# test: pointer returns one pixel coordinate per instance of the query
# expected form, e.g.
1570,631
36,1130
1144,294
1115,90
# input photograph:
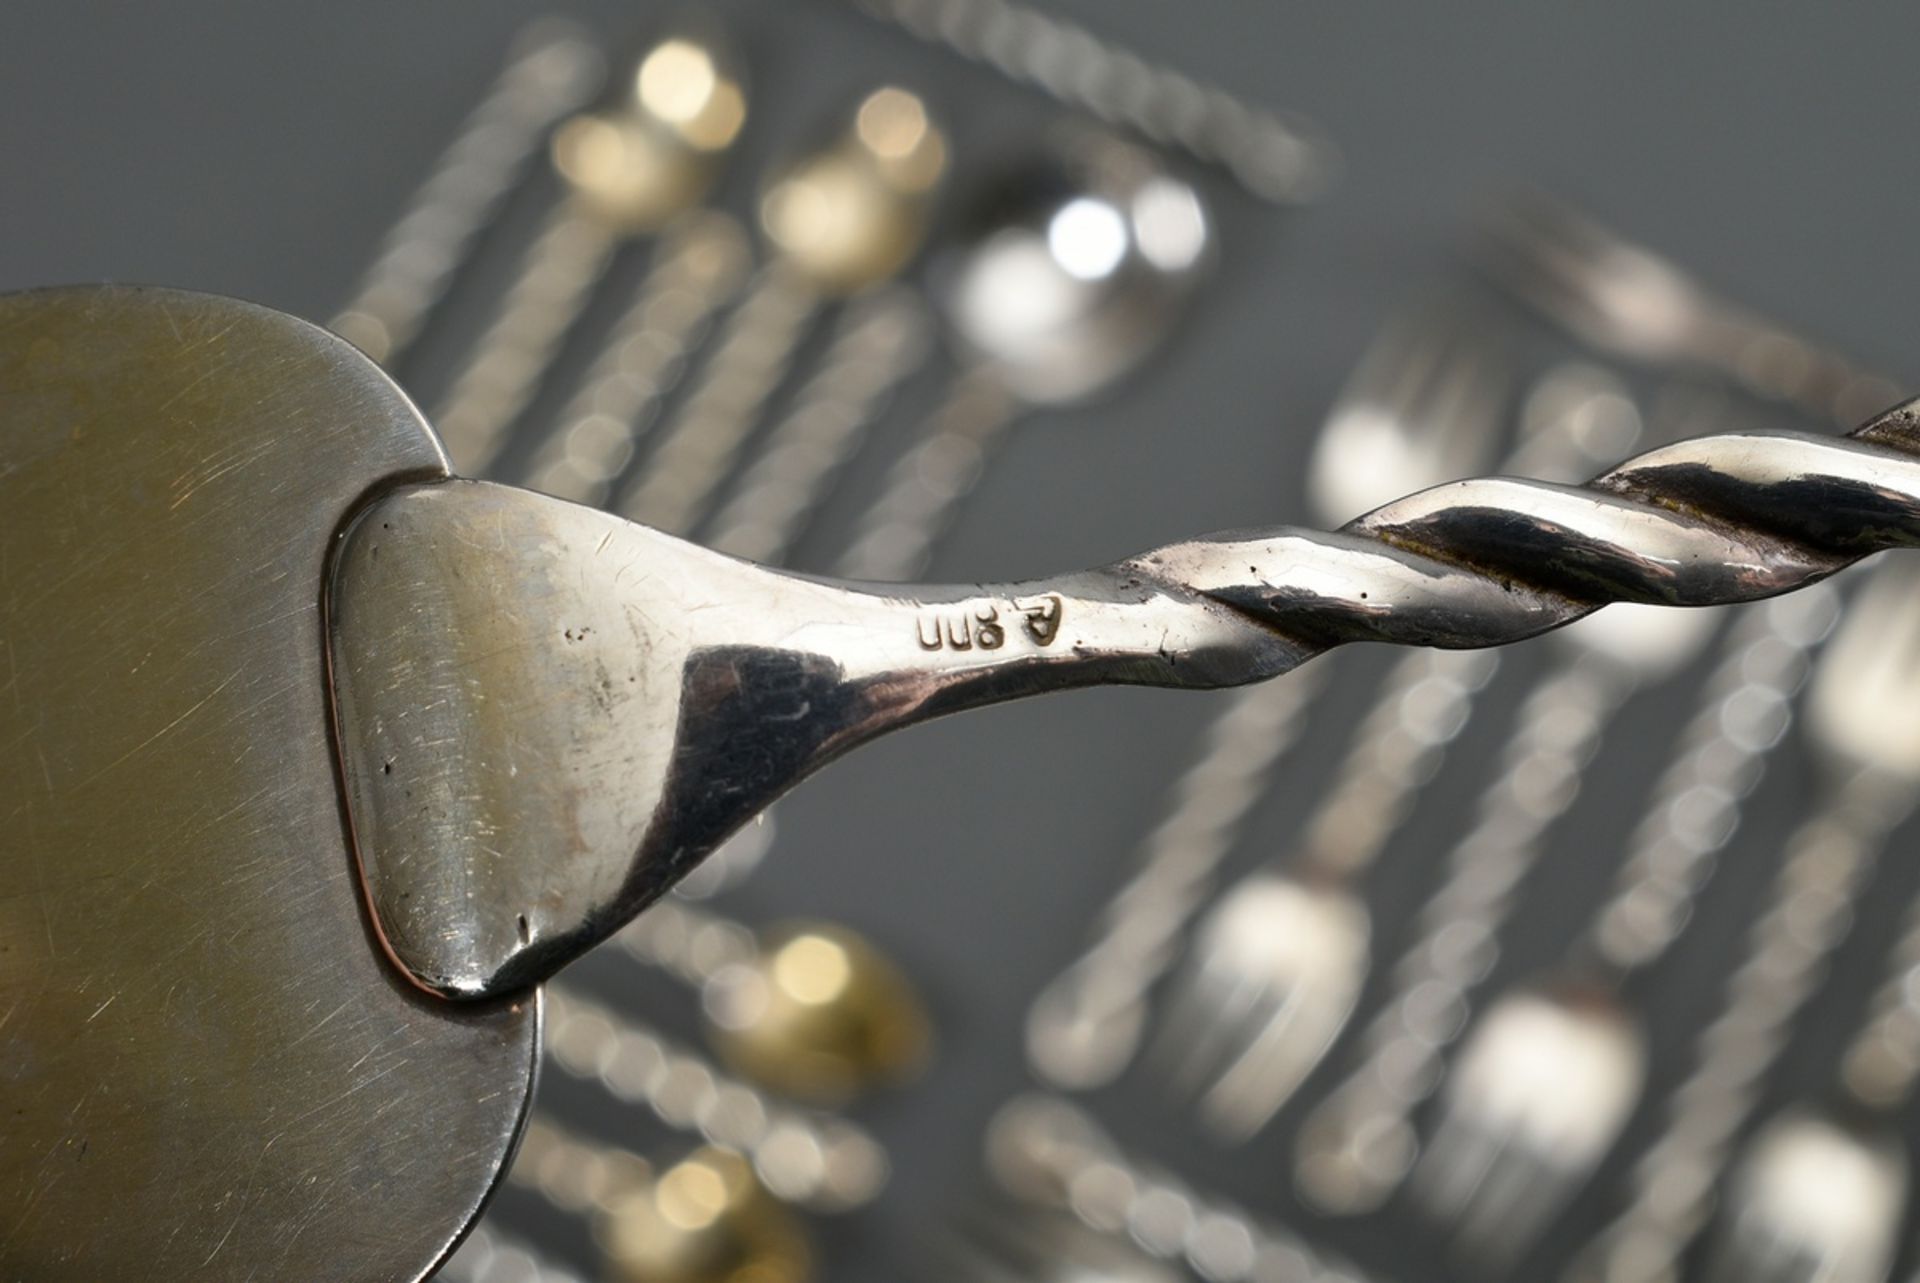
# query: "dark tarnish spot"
600,690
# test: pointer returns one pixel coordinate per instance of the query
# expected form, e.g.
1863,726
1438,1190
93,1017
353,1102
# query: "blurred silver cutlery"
1627,300
1040,1246
1052,1154
629,171
1863,719
1359,1142
1821,1192
702,262
1423,406
817,1160
1284,159
1079,265
1280,961
840,220
553,69
704,1219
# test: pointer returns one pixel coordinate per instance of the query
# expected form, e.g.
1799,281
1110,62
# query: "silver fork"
1280,961
1359,1142
1626,300
1550,1075
1861,714
1820,1193
1423,406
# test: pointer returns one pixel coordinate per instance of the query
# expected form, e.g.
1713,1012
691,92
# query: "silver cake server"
315,761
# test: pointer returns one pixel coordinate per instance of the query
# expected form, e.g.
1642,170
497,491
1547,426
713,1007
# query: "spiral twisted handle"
1717,519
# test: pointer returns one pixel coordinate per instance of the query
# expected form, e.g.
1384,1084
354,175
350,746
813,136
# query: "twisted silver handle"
791,672
1726,518
1284,159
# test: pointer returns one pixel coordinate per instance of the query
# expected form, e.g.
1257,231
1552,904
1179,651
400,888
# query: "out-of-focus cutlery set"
1487,1126
726,390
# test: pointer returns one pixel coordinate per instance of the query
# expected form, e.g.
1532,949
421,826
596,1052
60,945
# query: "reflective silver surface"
208,1070
546,716
549,714
1079,265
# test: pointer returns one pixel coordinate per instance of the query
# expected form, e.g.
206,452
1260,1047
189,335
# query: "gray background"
261,150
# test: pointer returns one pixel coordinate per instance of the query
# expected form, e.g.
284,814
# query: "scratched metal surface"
261,151
168,1049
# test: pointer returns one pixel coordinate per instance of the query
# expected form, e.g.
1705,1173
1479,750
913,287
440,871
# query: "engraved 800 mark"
981,626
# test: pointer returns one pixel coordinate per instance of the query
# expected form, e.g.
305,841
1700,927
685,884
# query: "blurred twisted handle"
840,220
1626,300
553,69
1673,1182
882,337
627,172
1853,1145
1284,159
1049,1153
701,266
817,1160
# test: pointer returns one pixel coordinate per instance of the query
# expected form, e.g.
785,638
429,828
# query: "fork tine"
1209,1012
1455,1164
1859,702
1512,1207
1252,1085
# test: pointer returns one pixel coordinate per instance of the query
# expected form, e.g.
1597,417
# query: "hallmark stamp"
982,629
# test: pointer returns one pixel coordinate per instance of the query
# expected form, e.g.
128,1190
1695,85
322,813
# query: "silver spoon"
840,220
1076,267
629,171
286,705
